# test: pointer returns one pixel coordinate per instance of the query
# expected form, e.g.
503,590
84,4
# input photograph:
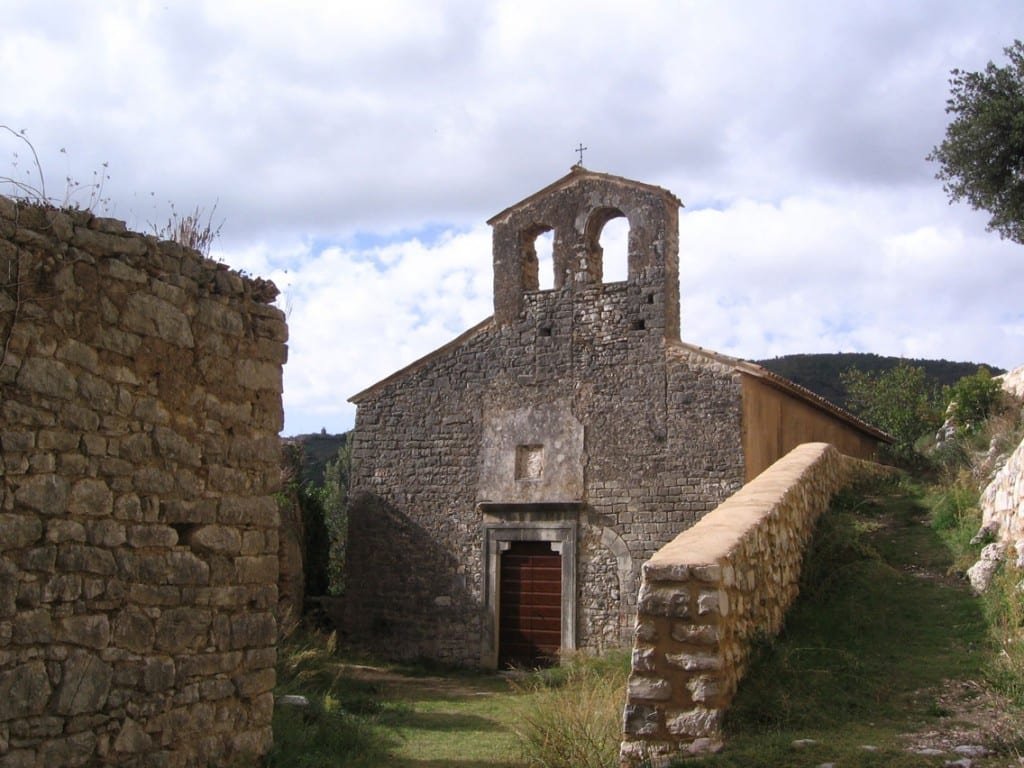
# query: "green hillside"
820,373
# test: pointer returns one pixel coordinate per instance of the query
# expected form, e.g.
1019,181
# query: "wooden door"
530,619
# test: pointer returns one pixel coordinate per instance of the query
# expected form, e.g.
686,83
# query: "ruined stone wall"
140,401
712,590
658,445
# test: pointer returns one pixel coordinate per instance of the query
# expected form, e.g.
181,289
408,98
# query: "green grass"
368,714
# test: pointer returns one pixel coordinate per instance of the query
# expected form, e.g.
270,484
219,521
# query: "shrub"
1004,609
973,398
571,716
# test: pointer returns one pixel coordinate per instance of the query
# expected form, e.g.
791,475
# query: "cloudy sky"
354,151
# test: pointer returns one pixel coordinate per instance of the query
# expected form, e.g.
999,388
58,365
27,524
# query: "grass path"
464,721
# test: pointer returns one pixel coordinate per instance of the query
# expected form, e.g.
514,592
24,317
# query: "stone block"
187,569
257,569
47,494
24,691
176,447
217,538
672,601
67,752
180,629
253,630
152,536
106,533
698,634
133,630
59,530
694,723
704,688
666,571
216,688
158,673
643,659
252,684
76,557
207,664
18,531
32,627
653,688
261,658
48,377
641,720
85,683
91,630
713,601
132,738
148,315
692,662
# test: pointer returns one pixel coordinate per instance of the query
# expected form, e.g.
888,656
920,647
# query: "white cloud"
795,132
355,316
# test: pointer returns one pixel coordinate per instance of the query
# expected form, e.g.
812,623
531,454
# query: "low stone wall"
140,400
707,594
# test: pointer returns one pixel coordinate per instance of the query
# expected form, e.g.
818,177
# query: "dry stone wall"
140,401
706,595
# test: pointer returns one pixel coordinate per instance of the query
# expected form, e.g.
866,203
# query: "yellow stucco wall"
775,422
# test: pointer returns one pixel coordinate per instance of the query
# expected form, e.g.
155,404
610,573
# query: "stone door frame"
503,524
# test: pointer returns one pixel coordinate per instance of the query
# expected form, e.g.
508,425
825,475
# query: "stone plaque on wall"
531,455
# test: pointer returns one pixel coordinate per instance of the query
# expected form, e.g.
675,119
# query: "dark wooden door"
530,620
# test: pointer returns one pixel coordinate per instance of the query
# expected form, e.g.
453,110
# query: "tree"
982,157
973,398
334,497
901,401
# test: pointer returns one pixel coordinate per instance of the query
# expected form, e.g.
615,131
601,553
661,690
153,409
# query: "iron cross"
581,149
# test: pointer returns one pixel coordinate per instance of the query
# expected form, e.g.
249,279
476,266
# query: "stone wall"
706,595
140,401
421,464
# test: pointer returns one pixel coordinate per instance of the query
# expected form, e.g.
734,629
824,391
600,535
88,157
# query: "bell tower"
576,208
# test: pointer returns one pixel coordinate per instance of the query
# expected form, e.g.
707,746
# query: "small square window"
529,462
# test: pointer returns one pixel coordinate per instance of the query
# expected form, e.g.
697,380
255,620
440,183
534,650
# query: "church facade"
507,487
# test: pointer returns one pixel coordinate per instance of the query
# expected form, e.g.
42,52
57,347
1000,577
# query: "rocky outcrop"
1013,381
1002,504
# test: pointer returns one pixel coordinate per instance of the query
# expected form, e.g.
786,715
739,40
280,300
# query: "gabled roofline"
790,387
576,173
415,365
737,364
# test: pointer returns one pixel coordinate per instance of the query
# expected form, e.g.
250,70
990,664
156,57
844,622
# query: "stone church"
507,487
